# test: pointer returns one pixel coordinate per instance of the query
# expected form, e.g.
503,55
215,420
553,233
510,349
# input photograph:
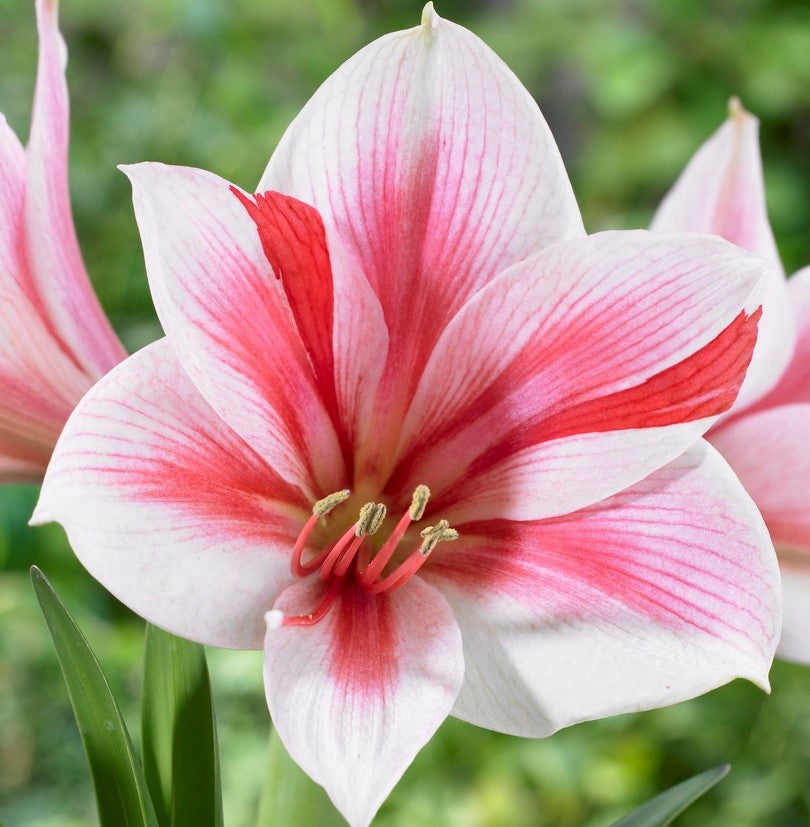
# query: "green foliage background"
630,90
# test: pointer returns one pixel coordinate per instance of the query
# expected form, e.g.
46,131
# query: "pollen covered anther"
324,506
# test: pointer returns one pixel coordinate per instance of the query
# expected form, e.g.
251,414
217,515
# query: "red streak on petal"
364,646
704,384
294,240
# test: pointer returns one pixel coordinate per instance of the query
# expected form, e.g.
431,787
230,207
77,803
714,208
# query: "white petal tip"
430,20
274,618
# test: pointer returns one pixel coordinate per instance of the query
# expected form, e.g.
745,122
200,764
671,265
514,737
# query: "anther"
419,501
324,506
432,540
368,518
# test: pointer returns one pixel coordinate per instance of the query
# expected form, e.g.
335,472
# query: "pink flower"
55,341
447,439
766,438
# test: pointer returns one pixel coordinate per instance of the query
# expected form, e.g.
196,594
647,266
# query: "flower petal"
52,248
770,453
40,382
661,593
355,696
795,642
232,320
435,170
794,384
168,508
722,191
580,371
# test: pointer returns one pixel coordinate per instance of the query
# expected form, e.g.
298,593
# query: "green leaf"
289,796
179,733
121,793
663,809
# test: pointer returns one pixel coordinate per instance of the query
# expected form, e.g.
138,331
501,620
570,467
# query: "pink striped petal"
795,642
770,453
40,382
794,384
247,338
356,696
661,593
722,191
435,170
57,269
168,508
579,372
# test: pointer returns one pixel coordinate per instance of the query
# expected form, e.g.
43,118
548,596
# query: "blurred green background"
630,90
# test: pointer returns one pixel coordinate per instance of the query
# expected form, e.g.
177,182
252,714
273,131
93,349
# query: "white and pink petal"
52,249
355,696
658,594
795,642
168,508
722,191
580,371
769,451
245,295
435,170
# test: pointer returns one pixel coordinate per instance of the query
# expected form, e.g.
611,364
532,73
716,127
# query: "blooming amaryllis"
766,436
55,340
422,438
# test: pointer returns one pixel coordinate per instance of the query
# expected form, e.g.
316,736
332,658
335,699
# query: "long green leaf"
663,809
179,733
289,797
121,793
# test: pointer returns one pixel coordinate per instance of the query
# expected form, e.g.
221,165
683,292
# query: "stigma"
352,558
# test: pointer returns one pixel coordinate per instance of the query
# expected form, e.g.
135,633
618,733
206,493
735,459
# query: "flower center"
352,556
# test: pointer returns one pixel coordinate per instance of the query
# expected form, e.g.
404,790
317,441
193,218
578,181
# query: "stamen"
371,526
368,574
419,501
432,536
320,509
366,522
324,506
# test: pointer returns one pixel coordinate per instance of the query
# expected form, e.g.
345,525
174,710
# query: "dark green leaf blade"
179,733
121,793
289,796
664,808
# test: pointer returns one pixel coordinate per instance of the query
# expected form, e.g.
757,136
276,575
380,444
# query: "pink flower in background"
420,437
55,341
766,437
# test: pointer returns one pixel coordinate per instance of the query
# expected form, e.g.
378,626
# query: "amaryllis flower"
415,433
766,437
55,340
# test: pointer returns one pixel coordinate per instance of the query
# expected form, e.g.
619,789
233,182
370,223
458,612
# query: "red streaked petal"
435,170
229,320
722,192
52,249
658,594
168,508
770,453
356,696
592,356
